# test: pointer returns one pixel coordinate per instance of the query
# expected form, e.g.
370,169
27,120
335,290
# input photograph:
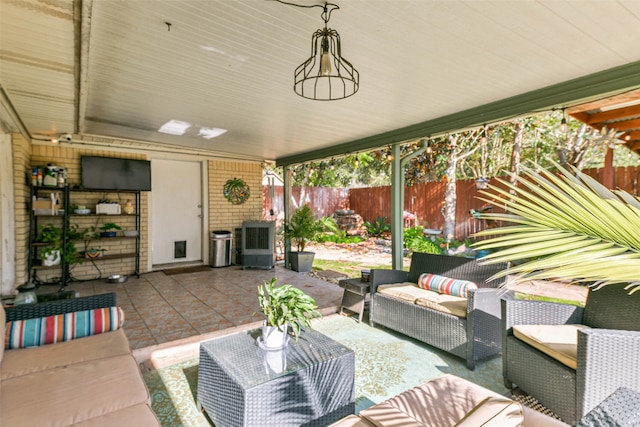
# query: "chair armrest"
526,312
485,299
50,308
607,360
383,277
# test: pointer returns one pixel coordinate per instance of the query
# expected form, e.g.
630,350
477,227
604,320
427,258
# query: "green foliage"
52,236
421,244
340,237
304,228
416,241
412,232
567,227
542,141
378,228
108,226
286,304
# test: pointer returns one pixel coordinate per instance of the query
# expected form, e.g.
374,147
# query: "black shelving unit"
34,261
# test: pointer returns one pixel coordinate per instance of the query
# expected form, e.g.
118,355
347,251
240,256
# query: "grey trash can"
220,248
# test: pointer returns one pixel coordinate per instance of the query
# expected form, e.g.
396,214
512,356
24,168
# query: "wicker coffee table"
310,383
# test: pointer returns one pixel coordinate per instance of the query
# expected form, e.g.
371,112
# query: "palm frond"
565,227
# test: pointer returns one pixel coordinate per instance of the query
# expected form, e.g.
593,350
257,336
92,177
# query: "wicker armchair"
472,338
606,356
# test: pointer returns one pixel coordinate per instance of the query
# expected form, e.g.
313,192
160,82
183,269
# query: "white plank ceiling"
114,68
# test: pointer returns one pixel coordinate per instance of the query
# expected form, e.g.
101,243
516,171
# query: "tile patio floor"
160,308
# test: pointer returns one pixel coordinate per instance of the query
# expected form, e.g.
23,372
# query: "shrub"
378,228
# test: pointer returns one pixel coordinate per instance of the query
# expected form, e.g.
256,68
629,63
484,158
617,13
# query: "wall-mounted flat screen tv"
110,173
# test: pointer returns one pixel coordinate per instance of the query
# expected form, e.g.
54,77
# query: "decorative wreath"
236,191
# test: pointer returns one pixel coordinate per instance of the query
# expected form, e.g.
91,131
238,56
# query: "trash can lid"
220,232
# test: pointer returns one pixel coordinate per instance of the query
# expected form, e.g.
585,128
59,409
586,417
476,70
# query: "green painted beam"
397,202
561,94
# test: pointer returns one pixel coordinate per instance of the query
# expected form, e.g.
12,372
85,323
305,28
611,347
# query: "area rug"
386,364
183,270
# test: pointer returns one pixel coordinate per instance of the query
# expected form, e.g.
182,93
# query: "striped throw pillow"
62,327
446,285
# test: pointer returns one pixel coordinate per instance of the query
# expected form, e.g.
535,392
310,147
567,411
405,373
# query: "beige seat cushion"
407,291
494,412
557,341
73,393
28,360
441,402
444,303
410,292
139,416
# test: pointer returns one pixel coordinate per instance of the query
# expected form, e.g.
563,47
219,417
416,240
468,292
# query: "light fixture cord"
327,8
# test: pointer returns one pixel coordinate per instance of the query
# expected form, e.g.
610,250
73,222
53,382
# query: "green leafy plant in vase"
54,248
51,236
285,307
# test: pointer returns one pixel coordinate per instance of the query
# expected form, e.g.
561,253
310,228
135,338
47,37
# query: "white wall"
7,218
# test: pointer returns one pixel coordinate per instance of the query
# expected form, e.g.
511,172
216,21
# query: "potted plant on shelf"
303,228
51,236
108,229
52,251
284,307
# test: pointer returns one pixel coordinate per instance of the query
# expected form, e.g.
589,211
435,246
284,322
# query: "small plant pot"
51,259
93,253
107,234
302,262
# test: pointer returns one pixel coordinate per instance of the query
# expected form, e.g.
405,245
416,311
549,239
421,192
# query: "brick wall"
70,158
222,214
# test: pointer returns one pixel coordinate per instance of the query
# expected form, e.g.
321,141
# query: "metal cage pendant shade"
326,75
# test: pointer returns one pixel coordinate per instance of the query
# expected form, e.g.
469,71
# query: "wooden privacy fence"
423,200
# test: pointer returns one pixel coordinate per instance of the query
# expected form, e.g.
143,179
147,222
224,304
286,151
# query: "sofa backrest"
611,307
455,268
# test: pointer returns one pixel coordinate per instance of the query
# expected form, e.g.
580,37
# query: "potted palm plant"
303,228
565,227
284,307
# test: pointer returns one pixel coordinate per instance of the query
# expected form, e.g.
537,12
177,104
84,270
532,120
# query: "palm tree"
564,227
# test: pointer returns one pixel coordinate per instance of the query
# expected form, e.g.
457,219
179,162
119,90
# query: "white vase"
275,362
52,258
274,338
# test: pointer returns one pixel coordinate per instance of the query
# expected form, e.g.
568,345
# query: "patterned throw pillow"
62,327
446,285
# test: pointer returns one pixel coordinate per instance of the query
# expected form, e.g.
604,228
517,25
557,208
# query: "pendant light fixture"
326,75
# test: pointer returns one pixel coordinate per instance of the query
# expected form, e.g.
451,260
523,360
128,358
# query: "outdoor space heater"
258,244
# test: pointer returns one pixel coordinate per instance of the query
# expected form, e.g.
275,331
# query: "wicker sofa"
473,336
449,401
91,381
576,368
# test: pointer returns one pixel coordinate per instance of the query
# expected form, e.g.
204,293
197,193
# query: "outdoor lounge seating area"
571,358
72,359
447,302
467,396
164,163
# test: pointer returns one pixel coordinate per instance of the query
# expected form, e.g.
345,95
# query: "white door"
176,211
